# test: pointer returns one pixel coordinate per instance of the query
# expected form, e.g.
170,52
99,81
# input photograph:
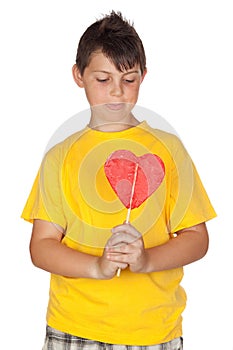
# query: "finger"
126,228
124,248
121,238
118,258
129,259
121,266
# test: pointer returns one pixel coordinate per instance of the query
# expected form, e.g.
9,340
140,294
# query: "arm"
48,253
127,246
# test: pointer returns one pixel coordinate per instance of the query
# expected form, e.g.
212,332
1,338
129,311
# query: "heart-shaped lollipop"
134,178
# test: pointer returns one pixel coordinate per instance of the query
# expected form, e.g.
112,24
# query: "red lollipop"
133,178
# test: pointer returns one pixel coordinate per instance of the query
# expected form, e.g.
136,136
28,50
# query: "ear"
77,76
143,75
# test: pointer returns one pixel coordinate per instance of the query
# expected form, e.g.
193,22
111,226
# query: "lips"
115,106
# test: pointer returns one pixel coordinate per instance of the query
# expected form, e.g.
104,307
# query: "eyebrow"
126,73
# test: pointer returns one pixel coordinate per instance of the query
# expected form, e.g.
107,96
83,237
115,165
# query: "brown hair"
116,38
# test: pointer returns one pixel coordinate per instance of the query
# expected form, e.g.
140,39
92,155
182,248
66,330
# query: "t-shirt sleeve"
189,202
45,200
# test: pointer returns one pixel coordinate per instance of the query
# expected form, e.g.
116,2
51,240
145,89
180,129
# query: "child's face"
104,84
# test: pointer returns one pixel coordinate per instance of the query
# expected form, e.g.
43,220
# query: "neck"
104,125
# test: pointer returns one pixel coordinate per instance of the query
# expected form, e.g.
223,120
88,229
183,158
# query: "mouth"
115,106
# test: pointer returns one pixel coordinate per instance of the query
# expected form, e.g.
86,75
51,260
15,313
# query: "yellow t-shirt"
71,190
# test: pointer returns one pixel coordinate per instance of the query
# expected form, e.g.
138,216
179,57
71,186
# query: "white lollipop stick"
132,193
130,205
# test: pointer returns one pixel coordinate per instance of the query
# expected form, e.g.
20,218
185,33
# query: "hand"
126,246
107,269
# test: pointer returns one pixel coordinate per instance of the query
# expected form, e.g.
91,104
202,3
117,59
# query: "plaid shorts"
56,340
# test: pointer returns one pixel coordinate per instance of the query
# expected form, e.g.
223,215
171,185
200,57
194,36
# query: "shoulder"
60,150
169,140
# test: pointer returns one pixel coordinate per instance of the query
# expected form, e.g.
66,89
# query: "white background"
189,83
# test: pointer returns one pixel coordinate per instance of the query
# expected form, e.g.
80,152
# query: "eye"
130,81
102,80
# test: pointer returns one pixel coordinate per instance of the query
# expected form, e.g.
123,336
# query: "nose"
116,89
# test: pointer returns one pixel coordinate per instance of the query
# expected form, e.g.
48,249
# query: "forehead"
100,62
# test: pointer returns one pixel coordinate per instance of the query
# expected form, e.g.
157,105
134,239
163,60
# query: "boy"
79,231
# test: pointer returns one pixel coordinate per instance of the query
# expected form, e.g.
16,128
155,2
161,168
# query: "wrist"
148,265
97,270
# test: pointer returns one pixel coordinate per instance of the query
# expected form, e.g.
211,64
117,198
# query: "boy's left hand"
126,246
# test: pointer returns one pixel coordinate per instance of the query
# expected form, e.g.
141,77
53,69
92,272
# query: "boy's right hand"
108,269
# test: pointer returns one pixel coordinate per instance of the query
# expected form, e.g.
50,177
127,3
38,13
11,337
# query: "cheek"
133,91
95,95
